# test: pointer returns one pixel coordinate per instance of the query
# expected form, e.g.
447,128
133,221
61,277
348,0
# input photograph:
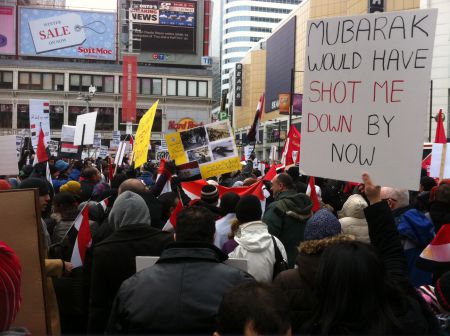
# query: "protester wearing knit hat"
61,166
10,292
255,243
72,187
322,230
210,194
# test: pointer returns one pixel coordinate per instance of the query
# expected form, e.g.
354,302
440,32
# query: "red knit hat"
10,279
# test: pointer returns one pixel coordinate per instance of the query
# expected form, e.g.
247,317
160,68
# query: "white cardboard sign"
39,117
440,161
89,120
8,163
365,96
68,133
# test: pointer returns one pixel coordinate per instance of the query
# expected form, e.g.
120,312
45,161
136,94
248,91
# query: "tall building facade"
245,22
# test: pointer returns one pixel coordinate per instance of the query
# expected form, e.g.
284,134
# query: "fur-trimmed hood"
317,246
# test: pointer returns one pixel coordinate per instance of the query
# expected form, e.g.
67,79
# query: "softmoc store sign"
365,96
68,34
183,124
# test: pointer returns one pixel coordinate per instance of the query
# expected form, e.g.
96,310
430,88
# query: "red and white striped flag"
41,151
104,204
171,223
436,256
84,239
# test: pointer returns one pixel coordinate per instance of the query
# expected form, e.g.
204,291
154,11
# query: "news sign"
67,34
164,26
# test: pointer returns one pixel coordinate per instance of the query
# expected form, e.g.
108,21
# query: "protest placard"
88,120
8,153
440,161
39,118
162,154
53,147
68,133
365,97
143,133
212,146
103,153
97,140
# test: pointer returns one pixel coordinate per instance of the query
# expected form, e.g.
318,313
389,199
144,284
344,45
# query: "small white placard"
8,162
89,120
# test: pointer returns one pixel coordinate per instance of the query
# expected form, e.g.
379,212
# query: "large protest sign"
86,121
365,96
8,153
143,133
212,146
21,231
39,118
53,147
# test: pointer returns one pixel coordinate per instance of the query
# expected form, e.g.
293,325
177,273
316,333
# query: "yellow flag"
143,134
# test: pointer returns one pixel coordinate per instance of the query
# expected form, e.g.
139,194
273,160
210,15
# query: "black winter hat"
33,182
248,209
210,194
428,183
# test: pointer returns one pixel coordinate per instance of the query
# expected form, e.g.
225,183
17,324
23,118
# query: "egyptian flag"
110,172
253,134
291,150
194,190
41,150
436,256
131,141
162,166
272,172
171,223
104,204
84,239
313,194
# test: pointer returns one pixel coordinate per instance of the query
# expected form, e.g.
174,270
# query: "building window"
191,88
74,111
245,29
83,82
23,116
41,81
146,86
242,39
157,122
105,118
6,80
202,89
236,49
56,116
6,116
252,18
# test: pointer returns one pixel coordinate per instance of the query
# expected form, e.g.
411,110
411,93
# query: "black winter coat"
114,260
180,294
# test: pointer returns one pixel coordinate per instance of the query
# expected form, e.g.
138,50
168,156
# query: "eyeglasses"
389,199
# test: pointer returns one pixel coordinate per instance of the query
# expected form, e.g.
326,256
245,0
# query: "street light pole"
291,96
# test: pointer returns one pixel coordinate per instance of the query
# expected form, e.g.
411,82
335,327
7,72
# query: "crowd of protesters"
351,267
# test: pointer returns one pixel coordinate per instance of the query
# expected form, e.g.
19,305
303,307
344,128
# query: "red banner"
129,82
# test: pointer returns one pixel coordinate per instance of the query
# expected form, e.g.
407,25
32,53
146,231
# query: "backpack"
280,264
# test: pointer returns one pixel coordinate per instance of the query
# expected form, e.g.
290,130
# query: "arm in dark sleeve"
384,238
115,323
159,185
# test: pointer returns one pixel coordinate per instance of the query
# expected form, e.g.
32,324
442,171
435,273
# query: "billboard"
163,26
280,59
7,33
67,34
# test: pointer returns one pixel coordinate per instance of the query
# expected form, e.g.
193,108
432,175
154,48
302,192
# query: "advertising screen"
164,26
66,33
280,59
7,34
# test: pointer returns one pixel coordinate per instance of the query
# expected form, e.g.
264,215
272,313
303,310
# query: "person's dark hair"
117,180
286,180
427,183
354,295
167,201
293,172
78,165
264,306
64,199
228,203
89,173
195,224
443,193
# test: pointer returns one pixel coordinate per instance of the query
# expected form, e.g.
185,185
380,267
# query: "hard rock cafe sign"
183,124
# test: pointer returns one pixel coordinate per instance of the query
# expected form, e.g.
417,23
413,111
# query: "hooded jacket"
114,259
256,245
352,218
286,219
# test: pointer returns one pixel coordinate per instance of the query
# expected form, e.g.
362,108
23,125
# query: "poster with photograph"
212,146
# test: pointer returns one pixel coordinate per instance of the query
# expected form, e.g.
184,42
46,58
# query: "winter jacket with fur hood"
256,245
298,284
352,218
